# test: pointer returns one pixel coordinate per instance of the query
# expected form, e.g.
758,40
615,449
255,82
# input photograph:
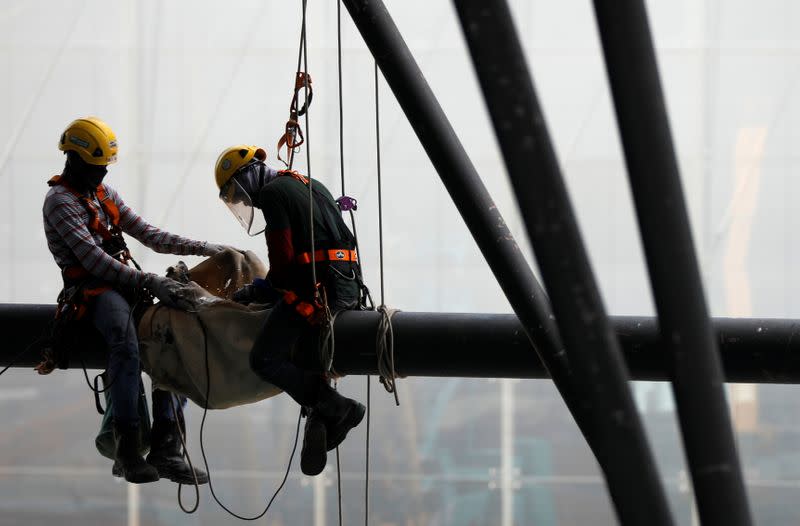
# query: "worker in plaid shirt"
83,221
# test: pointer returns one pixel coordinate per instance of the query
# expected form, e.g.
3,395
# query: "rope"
202,446
380,190
384,343
304,52
13,361
366,463
341,96
329,348
188,460
327,342
384,348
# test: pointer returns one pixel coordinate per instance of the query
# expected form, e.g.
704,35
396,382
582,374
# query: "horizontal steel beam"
484,345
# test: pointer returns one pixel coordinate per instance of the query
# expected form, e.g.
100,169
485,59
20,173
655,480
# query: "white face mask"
241,204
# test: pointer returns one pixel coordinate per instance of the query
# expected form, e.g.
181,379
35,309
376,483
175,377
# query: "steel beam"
674,273
601,378
480,214
485,345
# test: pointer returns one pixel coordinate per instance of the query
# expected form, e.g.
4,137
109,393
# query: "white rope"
384,349
327,341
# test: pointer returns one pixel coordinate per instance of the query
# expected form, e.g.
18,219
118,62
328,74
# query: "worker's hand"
170,292
260,291
210,249
245,295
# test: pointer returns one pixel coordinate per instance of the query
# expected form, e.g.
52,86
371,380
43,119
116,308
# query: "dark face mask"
83,176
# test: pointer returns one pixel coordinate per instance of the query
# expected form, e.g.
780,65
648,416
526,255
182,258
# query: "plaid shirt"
72,244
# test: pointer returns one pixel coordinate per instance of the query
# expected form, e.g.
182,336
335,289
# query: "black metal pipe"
601,377
484,345
468,192
672,263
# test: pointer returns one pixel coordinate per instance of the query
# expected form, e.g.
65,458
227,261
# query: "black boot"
128,462
166,454
314,456
341,414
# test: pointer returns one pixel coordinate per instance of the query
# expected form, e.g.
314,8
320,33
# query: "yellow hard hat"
92,138
234,158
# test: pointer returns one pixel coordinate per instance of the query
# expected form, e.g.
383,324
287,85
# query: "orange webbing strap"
76,306
307,310
87,295
109,207
334,254
294,173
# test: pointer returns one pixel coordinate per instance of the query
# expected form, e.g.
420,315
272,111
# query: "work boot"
341,414
166,454
314,456
128,462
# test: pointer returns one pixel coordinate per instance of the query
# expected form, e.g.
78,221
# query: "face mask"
95,175
83,176
240,195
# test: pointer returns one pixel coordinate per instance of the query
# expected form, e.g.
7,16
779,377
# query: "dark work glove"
169,291
259,291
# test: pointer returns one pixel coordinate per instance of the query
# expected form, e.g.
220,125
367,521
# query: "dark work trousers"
111,315
270,357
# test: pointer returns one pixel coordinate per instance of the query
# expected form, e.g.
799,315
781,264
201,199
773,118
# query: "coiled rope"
384,349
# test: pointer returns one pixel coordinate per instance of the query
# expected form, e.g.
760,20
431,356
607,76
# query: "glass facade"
180,81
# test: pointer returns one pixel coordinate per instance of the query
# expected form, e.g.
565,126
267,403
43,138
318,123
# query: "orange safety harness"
74,300
312,311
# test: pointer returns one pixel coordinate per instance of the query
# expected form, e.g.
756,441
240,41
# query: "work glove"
210,249
170,292
259,291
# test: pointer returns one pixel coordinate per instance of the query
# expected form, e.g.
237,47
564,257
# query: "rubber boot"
314,454
128,462
341,414
166,454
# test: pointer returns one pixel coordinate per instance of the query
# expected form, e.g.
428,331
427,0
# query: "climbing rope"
188,458
327,342
203,450
292,129
302,80
384,343
328,318
41,339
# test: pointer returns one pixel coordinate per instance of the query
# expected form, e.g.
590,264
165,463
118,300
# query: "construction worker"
83,222
245,183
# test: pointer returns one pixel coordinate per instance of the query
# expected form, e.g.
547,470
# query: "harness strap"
333,254
77,305
309,311
113,242
295,174
108,205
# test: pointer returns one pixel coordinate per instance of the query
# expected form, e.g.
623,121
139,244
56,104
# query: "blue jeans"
111,315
